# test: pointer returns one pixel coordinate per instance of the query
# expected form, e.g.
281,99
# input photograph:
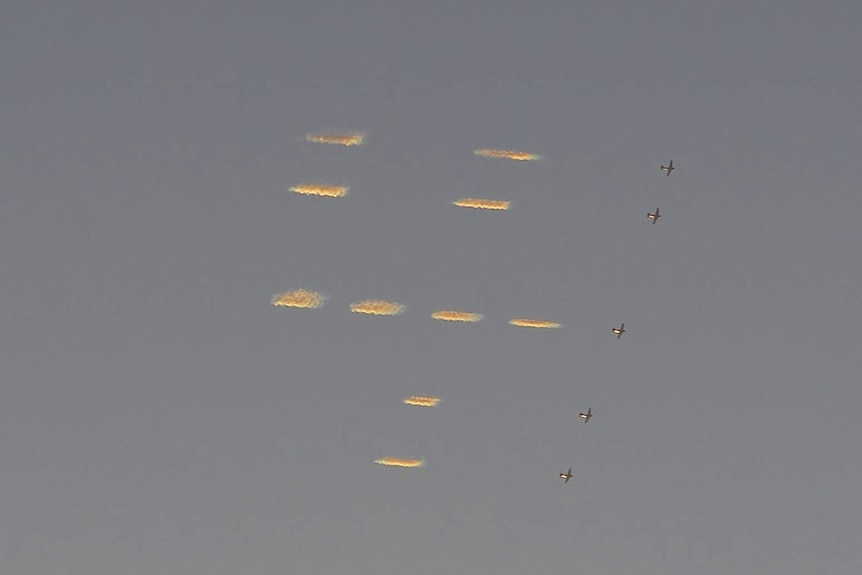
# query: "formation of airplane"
668,168
619,331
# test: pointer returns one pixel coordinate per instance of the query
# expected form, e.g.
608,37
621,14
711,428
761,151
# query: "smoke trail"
537,323
321,190
482,204
399,462
454,315
422,401
507,154
377,307
343,139
299,298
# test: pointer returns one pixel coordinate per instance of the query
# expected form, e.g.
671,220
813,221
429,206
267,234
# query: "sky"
158,415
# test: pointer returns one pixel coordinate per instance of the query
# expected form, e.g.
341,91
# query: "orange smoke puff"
538,323
454,315
422,401
507,154
344,139
377,307
321,190
400,462
299,298
482,204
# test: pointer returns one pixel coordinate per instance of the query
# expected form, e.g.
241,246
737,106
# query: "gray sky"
157,415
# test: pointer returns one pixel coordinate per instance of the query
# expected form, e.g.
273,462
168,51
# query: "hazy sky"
158,415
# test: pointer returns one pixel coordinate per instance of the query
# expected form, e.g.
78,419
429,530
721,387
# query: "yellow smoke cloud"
482,204
400,462
321,190
299,298
538,323
454,315
507,154
422,401
377,307
343,139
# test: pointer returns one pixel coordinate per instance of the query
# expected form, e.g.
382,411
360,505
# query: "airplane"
586,416
620,330
654,217
668,168
567,475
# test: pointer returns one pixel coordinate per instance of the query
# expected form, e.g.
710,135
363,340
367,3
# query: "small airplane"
586,416
654,216
620,330
668,168
567,475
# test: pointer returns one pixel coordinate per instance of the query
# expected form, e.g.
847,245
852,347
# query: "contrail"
539,323
422,401
377,307
507,154
343,139
321,190
482,204
454,315
299,298
400,462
